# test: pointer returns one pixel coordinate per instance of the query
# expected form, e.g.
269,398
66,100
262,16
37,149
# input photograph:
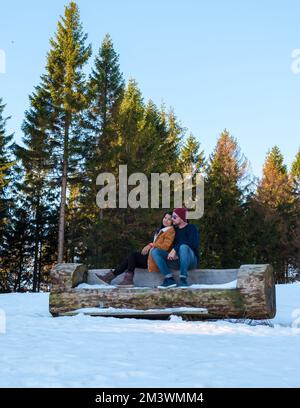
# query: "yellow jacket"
164,240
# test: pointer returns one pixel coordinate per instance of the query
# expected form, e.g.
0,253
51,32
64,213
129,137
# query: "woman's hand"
172,255
146,249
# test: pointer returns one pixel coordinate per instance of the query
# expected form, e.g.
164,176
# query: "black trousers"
134,260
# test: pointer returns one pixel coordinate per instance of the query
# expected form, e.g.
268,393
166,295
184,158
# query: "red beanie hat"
181,212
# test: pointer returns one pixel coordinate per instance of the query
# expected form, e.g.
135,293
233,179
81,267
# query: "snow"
228,285
38,350
115,310
96,286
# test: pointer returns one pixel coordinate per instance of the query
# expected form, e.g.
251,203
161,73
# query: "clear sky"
220,64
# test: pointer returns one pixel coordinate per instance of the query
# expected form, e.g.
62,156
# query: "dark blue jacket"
188,235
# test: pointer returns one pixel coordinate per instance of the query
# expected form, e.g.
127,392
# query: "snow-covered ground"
38,350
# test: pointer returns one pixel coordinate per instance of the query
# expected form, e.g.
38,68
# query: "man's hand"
172,255
146,249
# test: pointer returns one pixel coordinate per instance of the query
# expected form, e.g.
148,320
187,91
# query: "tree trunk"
40,266
64,180
17,285
36,247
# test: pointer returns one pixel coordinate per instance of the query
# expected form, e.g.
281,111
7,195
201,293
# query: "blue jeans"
187,260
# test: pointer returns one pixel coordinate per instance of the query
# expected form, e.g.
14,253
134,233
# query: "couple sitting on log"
175,246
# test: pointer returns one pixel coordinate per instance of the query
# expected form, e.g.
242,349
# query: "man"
184,254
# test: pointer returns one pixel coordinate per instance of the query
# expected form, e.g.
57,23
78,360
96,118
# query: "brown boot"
127,281
107,277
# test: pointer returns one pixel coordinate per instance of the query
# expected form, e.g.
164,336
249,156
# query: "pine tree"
295,239
6,164
6,170
66,84
16,265
125,151
148,139
130,116
192,160
173,143
106,87
105,92
275,186
222,226
36,186
276,203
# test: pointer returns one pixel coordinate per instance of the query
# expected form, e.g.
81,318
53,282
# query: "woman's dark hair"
162,225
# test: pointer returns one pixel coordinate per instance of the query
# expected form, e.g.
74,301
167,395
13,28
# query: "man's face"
176,220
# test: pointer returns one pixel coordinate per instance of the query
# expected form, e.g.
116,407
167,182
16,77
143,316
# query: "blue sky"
220,64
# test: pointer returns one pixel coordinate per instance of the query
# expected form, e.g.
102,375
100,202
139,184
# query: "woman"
163,239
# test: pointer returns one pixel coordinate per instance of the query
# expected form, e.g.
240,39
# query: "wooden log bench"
244,293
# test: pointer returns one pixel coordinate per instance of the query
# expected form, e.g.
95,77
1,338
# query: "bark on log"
254,297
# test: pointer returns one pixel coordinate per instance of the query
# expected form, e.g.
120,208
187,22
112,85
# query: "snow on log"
253,296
